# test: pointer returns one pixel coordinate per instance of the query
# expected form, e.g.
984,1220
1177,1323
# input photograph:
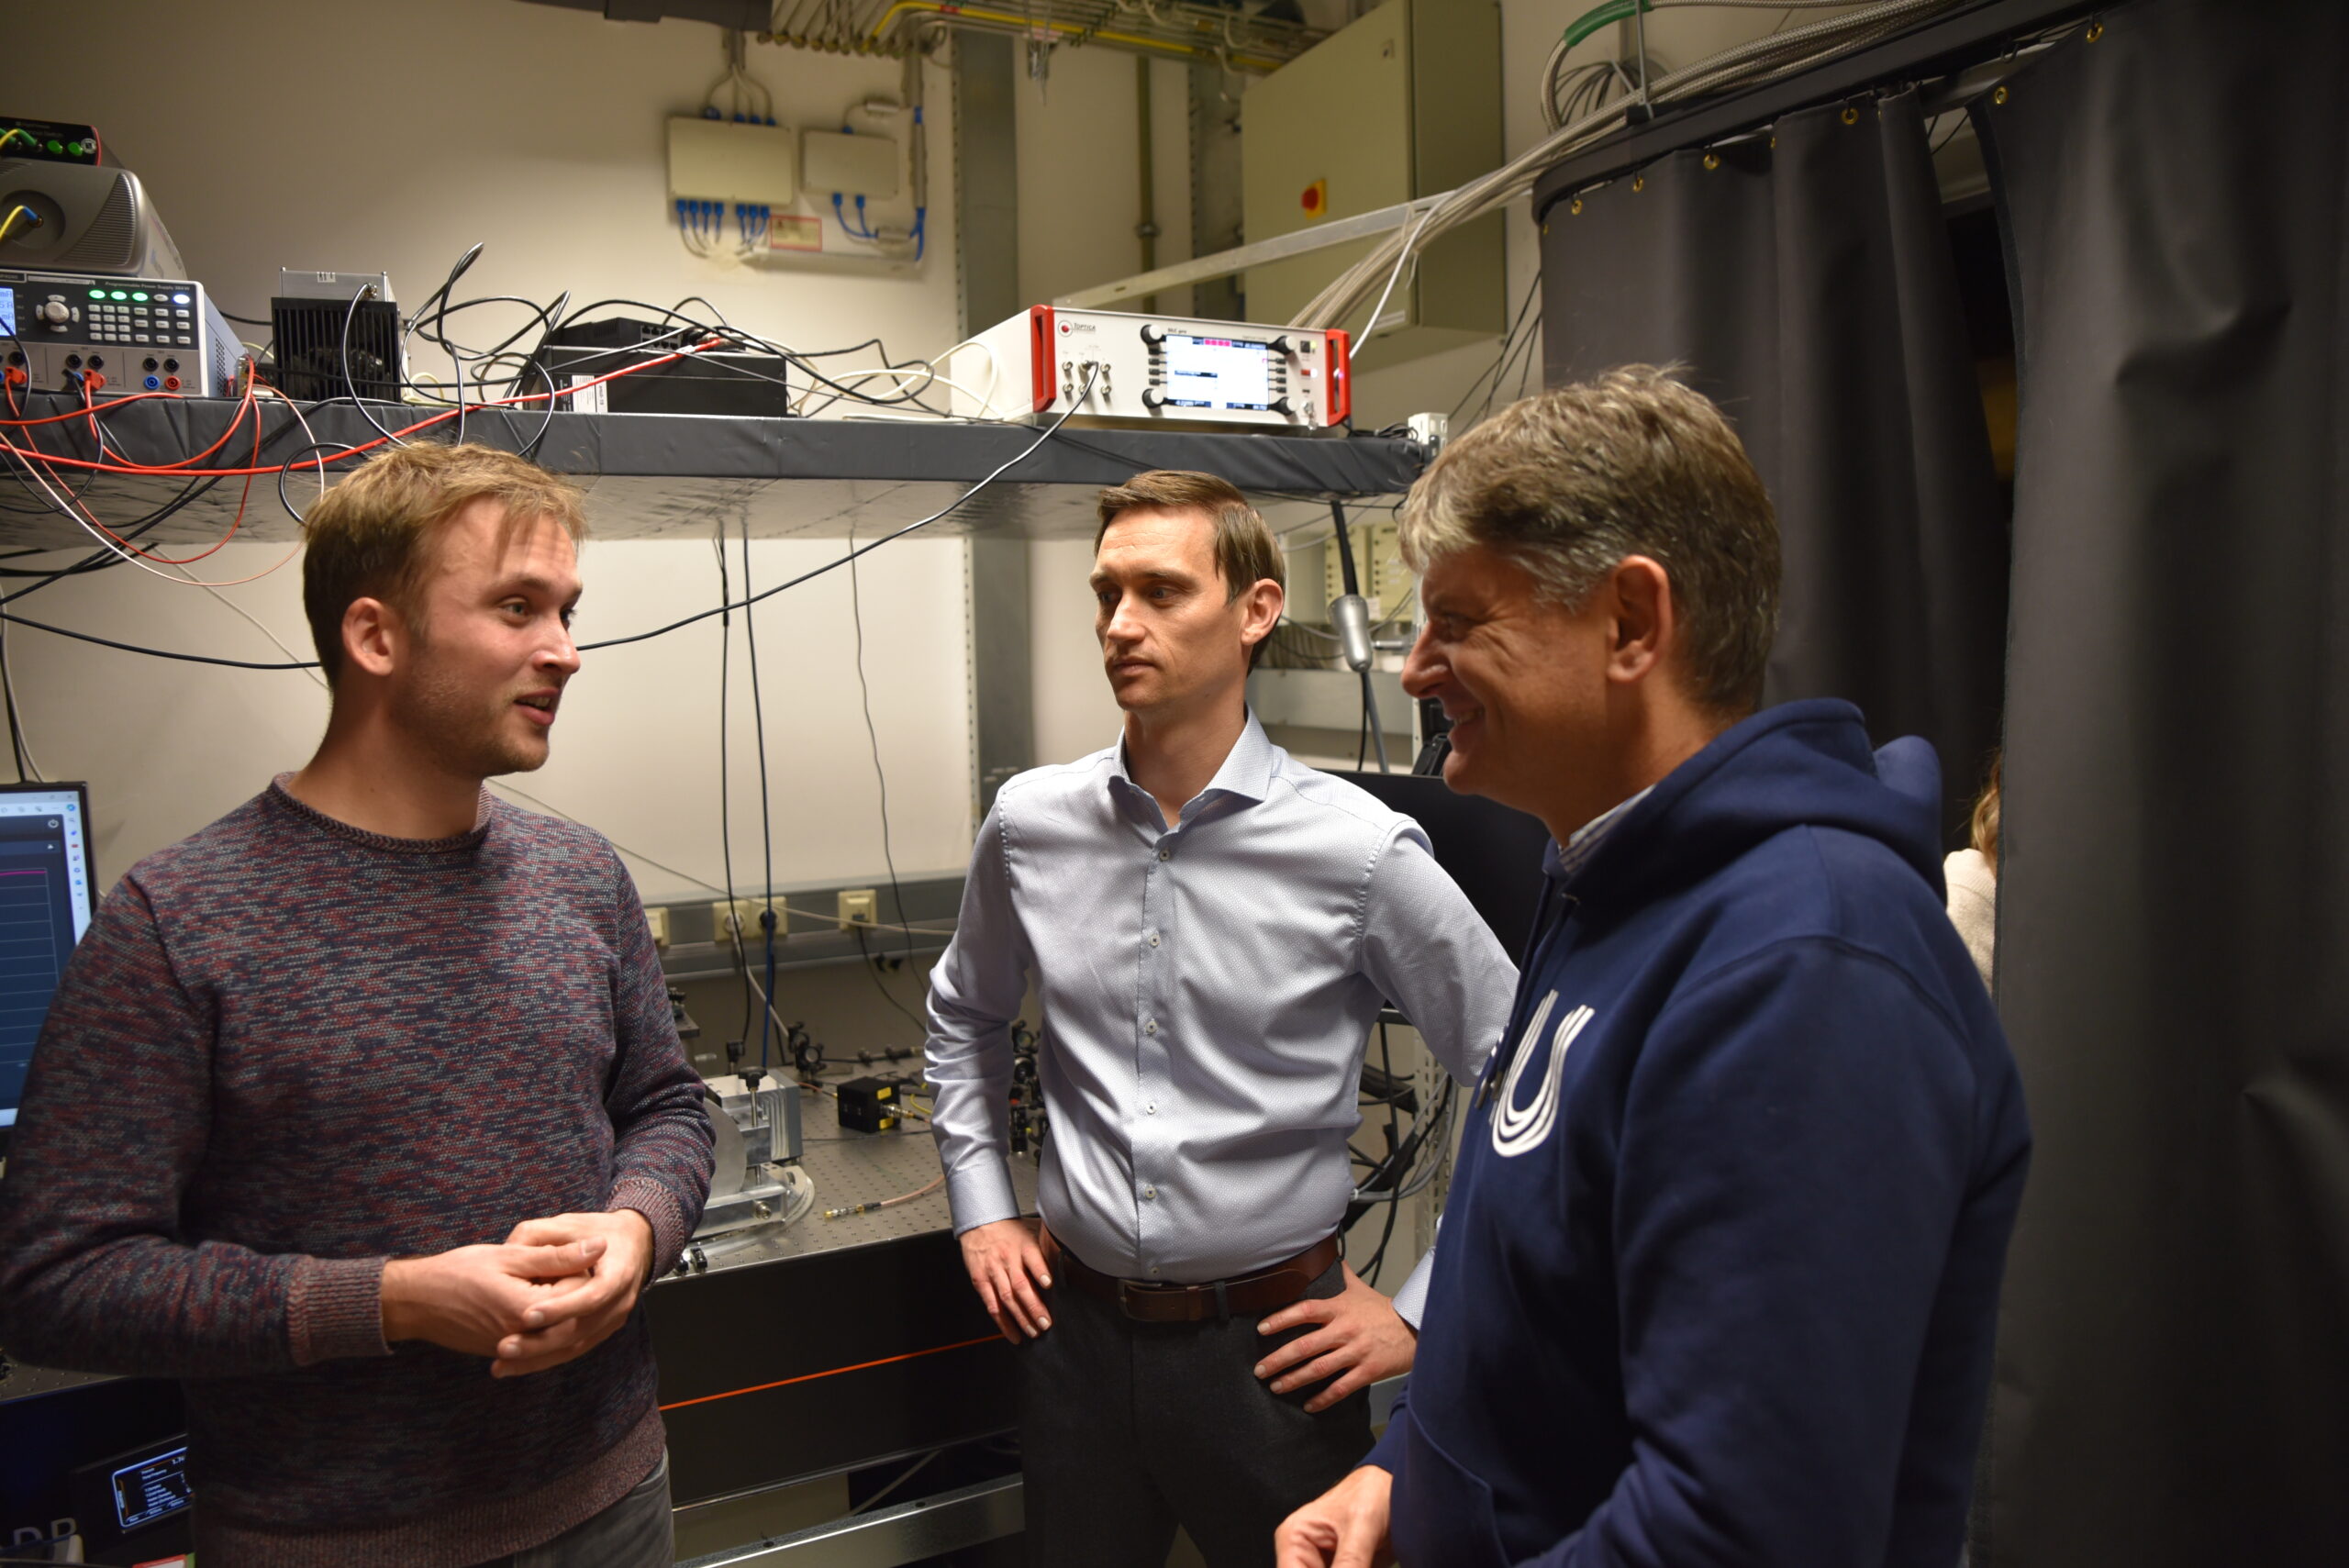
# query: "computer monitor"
1492,851
46,892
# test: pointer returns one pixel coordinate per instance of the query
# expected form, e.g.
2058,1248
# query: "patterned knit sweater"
289,1049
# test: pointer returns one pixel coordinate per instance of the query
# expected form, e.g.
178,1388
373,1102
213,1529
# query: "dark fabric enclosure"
2174,1379
1804,277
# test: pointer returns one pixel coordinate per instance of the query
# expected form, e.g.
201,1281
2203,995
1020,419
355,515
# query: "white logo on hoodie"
1516,1130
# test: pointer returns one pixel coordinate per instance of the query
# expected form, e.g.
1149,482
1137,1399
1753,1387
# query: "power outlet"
658,918
742,916
859,906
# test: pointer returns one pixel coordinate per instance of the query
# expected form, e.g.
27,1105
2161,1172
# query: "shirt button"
1151,1108
1153,1268
1153,938
1149,1027
1165,854
1150,1194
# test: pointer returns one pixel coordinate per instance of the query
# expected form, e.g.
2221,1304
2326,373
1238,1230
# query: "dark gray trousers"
1129,1429
634,1532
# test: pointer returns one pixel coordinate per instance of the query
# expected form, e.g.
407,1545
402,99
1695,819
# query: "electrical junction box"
836,162
1111,366
730,161
870,1105
1378,567
1403,104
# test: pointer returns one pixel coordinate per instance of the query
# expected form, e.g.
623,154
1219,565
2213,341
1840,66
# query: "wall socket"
859,906
742,915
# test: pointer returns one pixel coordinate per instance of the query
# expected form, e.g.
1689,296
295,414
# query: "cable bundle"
1746,65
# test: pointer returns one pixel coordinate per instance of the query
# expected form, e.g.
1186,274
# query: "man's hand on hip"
1359,1340
1006,1269
474,1298
587,1312
1344,1528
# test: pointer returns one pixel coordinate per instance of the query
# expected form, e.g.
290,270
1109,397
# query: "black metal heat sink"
310,348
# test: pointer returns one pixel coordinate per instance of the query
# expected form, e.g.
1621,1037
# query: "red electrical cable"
246,404
177,470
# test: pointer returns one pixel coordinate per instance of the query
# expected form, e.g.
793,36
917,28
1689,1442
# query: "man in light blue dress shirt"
1211,929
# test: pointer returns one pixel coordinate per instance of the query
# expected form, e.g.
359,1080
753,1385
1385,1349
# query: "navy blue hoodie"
1721,1257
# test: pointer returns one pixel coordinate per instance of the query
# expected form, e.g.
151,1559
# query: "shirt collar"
1247,770
1564,860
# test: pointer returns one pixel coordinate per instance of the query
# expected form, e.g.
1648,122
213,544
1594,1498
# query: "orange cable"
811,1376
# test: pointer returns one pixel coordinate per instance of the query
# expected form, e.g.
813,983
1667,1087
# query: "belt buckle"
1132,1291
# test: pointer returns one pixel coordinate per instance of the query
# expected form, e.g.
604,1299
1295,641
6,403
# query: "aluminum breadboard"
849,1168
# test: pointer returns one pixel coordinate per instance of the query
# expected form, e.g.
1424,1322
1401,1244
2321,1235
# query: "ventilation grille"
310,349
111,242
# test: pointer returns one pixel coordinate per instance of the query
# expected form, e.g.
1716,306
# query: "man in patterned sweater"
362,1111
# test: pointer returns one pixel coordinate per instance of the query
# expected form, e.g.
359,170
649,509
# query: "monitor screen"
150,1488
7,310
1492,851
1218,372
45,902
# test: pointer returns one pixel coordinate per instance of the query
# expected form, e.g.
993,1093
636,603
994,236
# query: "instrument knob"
1154,336
1153,398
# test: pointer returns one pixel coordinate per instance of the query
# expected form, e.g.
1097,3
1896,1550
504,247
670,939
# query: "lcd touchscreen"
153,1488
1216,373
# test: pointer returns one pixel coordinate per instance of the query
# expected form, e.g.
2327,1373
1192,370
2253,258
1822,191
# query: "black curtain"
2173,908
1803,276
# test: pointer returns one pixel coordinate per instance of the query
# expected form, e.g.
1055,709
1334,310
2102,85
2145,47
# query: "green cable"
1614,11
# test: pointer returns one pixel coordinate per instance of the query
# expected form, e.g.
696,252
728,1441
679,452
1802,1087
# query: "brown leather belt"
1266,1291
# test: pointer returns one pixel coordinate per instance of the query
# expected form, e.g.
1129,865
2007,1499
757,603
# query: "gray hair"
1567,483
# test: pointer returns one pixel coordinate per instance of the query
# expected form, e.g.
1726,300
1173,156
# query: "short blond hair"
369,536
1567,483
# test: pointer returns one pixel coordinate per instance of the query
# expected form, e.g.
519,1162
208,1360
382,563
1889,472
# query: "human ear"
1644,624
1264,602
373,635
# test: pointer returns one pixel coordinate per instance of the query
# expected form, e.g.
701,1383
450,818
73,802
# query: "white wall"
1080,172
167,748
333,134
1075,714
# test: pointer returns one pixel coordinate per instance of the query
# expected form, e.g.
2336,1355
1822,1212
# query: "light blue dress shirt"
1208,990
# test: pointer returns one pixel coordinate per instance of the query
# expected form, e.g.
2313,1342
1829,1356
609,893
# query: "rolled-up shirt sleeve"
1411,1300
975,991
1427,949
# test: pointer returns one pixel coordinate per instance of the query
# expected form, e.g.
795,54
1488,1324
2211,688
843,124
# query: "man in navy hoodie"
1721,1257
